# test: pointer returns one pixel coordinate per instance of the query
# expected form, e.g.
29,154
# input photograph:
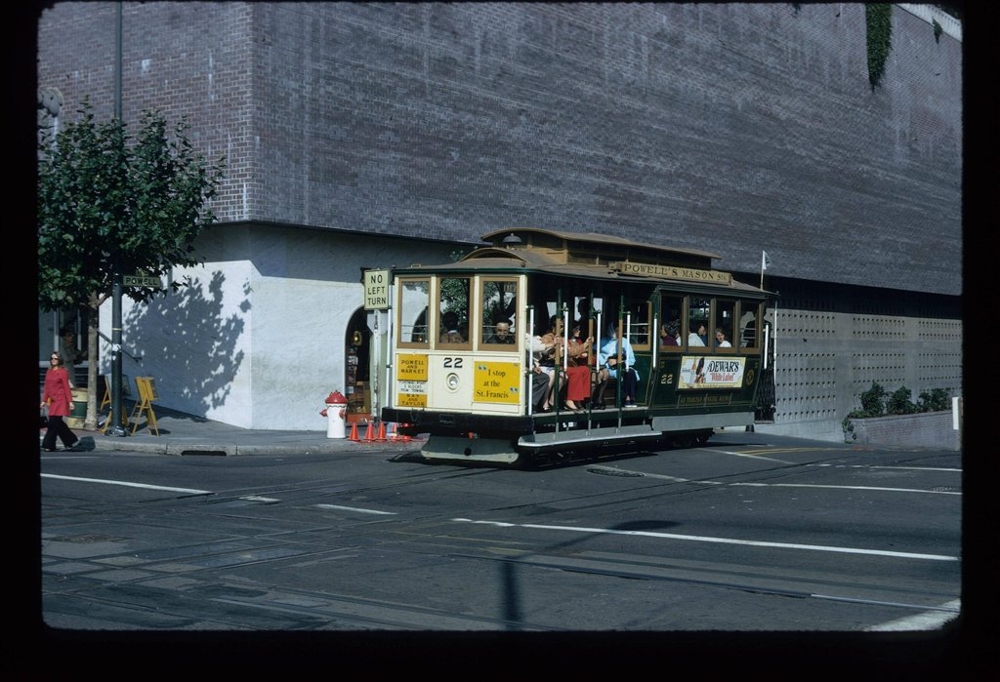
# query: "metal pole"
117,415
376,398
529,339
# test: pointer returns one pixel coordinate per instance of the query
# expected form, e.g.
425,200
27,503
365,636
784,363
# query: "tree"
108,202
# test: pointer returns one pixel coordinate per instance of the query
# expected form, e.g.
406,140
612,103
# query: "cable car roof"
572,241
588,256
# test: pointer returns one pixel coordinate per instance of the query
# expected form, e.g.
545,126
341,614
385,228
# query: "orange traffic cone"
370,433
354,432
381,432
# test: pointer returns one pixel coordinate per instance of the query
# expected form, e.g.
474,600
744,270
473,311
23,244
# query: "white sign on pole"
376,289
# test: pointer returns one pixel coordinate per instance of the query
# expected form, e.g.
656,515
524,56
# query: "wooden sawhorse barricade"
147,394
144,405
106,402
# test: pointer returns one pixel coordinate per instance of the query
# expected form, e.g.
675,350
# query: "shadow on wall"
184,336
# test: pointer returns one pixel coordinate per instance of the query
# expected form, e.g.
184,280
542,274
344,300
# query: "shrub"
899,402
938,400
877,402
848,428
873,401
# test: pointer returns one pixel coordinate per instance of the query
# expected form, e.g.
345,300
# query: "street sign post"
376,289
140,281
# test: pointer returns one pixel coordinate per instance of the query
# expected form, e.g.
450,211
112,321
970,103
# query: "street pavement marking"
717,540
130,485
929,620
355,509
751,456
844,487
883,466
617,470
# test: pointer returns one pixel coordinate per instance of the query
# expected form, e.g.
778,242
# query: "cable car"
671,349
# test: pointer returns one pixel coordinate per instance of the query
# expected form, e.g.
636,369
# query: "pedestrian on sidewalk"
57,396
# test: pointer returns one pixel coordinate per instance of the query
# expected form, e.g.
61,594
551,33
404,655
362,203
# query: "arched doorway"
357,380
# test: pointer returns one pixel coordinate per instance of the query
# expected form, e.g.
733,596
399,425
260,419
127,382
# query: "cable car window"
588,312
548,301
499,319
749,312
414,298
721,335
698,319
453,311
636,317
583,316
671,312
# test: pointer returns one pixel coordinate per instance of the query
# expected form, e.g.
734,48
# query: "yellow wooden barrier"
106,401
147,394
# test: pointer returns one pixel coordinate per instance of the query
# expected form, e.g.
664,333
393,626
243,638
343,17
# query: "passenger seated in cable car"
543,372
699,338
451,333
720,339
668,334
501,332
578,370
607,360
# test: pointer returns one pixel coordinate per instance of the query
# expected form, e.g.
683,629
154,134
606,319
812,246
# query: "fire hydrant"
336,415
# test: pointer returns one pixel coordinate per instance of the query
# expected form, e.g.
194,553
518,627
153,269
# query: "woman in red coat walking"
58,397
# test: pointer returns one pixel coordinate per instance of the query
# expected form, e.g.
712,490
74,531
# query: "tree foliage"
103,196
111,203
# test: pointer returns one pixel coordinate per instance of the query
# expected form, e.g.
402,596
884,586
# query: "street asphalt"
179,434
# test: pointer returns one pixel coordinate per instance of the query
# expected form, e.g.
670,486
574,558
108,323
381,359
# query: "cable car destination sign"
671,272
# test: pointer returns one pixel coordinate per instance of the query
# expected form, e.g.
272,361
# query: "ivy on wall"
878,23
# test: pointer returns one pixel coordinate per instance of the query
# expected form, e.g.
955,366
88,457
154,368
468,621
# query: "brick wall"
929,429
727,127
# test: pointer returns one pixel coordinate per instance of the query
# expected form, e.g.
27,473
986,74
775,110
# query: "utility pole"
116,429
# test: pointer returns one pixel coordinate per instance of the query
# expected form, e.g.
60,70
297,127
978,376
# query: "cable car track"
768,581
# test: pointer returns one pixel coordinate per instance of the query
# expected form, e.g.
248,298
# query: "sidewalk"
184,434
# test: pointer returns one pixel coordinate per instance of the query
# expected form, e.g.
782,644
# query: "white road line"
677,479
724,541
845,487
929,620
882,466
248,498
355,509
747,455
777,485
127,484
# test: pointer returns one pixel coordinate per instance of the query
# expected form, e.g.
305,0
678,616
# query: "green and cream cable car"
695,334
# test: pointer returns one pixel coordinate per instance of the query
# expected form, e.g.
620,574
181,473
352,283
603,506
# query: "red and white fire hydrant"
336,415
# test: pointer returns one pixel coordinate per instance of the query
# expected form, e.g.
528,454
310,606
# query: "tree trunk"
93,326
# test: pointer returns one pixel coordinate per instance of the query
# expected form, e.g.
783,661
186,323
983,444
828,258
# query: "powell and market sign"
671,272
